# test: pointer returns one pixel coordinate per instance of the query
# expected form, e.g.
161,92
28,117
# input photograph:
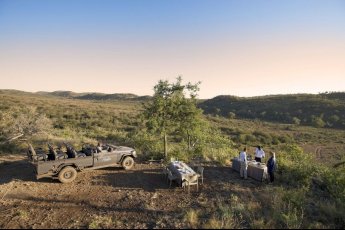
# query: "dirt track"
110,198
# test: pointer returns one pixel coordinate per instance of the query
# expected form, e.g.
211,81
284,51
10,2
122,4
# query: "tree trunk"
165,145
189,145
12,138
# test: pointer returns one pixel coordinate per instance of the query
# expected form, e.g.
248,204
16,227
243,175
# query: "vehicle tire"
128,163
67,174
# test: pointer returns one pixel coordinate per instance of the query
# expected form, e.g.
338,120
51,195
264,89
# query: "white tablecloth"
257,171
181,170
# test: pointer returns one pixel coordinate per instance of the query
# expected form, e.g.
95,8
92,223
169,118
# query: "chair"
200,171
193,180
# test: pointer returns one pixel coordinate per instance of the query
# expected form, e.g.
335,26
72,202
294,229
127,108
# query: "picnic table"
255,170
181,170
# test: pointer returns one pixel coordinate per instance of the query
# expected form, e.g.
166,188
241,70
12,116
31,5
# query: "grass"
23,214
100,222
191,217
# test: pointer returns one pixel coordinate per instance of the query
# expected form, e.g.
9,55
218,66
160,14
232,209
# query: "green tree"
231,115
296,121
317,121
334,119
172,112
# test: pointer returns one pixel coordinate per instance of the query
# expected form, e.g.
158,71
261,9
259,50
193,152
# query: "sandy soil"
110,198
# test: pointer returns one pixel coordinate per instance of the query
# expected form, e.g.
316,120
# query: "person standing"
259,154
98,148
244,163
271,166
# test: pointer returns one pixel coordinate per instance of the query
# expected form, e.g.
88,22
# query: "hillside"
94,96
322,110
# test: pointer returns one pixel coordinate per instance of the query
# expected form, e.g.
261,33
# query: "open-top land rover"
65,165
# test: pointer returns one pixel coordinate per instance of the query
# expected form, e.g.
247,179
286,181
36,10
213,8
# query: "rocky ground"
112,197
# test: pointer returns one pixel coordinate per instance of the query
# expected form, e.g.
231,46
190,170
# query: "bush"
296,168
335,182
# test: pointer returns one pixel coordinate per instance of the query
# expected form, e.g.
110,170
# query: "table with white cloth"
181,170
255,170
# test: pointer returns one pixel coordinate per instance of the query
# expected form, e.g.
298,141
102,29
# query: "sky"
242,48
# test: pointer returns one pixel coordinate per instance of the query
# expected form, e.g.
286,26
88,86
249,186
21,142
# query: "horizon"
150,95
244,48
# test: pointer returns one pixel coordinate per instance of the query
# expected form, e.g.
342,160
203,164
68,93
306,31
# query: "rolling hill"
94,95
321,110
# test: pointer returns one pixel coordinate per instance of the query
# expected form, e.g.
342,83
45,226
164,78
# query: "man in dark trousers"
271,166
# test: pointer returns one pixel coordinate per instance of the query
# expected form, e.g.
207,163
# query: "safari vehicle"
64,166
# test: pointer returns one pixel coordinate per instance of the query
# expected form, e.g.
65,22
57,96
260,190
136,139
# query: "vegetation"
171,113
303,196
73,120
308,193
23,121
322,110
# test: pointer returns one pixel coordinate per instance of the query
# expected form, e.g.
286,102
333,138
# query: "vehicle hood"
123,148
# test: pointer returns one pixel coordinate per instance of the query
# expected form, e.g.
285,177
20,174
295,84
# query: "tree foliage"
23,121
173,113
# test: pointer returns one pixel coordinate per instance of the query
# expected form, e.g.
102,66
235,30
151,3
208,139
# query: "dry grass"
192,218
100,222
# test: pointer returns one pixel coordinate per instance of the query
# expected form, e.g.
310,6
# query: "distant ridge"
319,110
94,96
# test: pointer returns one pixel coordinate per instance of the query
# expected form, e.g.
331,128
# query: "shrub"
335,182
296,167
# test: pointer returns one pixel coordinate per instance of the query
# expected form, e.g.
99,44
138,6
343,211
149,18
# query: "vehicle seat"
33,155
88,151
72,153
53,155
69,152
77,154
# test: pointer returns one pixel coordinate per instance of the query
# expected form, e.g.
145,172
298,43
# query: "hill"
94,96
322,110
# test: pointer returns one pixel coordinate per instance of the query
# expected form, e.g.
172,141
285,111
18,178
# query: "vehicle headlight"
134,153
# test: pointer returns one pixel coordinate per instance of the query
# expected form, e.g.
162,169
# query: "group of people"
259,155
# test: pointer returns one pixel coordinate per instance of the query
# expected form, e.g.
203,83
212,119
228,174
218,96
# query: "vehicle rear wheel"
128,163
67,174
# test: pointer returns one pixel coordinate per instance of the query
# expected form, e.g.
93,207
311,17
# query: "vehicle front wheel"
128,163
67,174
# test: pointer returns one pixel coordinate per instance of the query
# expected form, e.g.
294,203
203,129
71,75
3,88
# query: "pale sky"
242,48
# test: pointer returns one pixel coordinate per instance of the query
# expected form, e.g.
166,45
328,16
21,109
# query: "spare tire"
67,174
128,163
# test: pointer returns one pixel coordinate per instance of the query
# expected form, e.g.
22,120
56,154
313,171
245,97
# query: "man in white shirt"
259,154
98,148
244,163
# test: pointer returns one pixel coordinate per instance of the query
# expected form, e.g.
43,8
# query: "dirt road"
111,198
